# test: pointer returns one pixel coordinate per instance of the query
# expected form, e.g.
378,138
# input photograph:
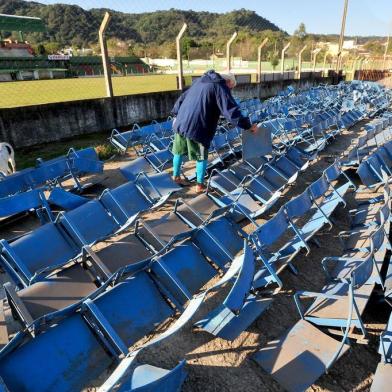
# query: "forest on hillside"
153,34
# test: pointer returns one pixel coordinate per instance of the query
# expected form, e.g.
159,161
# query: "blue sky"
365,17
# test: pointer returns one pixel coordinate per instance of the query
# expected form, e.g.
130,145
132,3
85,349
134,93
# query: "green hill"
73,25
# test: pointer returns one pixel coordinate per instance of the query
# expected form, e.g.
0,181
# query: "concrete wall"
27,126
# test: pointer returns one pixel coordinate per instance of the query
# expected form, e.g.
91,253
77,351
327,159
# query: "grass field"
13,94
26,93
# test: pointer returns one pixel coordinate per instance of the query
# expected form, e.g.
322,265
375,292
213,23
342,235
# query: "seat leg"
293,269
316,242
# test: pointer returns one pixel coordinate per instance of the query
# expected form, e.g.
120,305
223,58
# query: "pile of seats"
309,118
124,291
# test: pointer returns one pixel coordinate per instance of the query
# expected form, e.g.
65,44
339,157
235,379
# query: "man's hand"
253,128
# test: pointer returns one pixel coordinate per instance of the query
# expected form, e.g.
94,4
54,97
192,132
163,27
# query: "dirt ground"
214,364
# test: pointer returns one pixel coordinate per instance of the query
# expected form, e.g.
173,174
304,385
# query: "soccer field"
35,92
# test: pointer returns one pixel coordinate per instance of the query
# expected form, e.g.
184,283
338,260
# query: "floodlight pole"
315,53
179,57
105,58
386,52
228,47
261,46
282,57
341,38
300,61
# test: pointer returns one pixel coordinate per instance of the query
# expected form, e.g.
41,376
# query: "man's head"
230,80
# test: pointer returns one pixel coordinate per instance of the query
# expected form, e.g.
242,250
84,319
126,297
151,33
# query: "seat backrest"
362,273
376,166
150,129
166,126
89,154
176,271
50,171
41,363
273,229
132,170
243,283
88,223
318,188
81,166
134,307
219,240
124,202
15,183
384,157
367,175
385,212
225,181
219,141
46,247
156,187
377,240
22,202
298,206
333,172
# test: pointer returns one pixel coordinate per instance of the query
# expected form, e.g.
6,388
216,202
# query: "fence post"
179,57
105,58
354,67
385,53
228,46
261,46
282,57
300,61
315,54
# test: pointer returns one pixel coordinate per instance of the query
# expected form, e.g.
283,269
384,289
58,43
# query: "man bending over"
197,113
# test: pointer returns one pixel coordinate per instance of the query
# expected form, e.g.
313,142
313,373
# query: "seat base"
298,358
57,292
224,323
382,378
333,313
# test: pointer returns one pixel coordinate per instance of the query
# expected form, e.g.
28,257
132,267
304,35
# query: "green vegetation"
26,157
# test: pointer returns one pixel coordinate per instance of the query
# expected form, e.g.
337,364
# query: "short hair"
229,76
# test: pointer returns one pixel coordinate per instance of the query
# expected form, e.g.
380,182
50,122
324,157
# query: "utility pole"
282,57
179,57
300,61
261,46
105,57
228,54
341,38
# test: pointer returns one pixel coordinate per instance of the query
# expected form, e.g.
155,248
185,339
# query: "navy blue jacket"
198,109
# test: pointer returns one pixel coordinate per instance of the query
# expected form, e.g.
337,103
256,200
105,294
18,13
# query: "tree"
52,47
41,51
274,59
301,32
375,48
186,44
